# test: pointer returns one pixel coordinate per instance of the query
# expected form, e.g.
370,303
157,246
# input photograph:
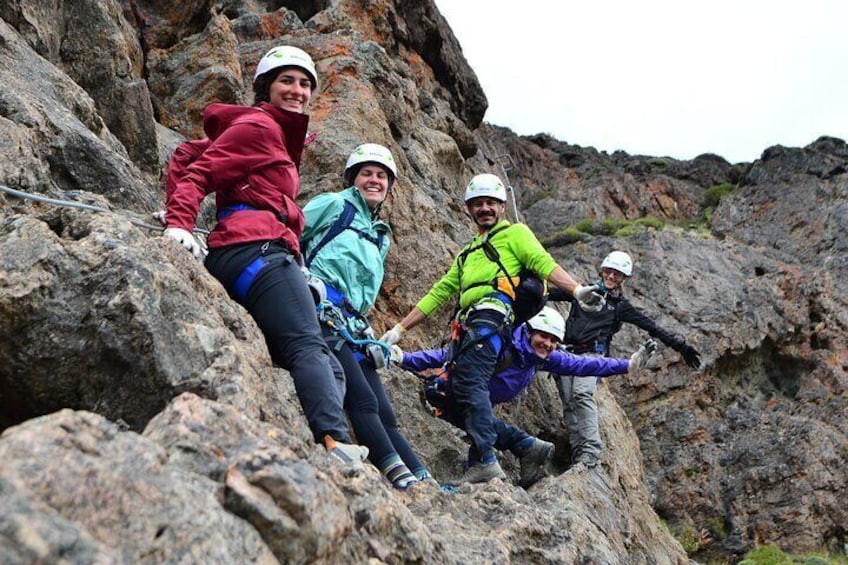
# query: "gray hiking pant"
581,413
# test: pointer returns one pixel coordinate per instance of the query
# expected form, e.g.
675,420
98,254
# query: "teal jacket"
351,263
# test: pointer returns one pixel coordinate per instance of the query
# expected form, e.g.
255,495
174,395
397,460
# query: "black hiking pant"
282,305
370,410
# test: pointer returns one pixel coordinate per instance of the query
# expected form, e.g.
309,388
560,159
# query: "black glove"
691,356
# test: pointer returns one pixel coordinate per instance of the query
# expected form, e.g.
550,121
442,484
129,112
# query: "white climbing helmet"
369,153
485,184
620,261
287,56
549,321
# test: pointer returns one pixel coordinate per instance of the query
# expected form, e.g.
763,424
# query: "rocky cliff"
144,421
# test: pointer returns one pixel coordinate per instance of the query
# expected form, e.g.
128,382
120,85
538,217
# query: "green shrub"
611,225
717,526
716,192
615,227
690,539
586,225
565,237
771,555
650,222
627,231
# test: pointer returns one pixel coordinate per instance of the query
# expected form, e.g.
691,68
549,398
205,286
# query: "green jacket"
517,247
351,263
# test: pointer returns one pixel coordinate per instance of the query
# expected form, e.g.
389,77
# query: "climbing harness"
528,296
353,324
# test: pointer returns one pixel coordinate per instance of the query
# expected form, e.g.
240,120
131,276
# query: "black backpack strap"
378,241
343,222
616,325
491,254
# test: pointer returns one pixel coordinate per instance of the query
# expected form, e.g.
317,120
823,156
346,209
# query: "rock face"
728,450
144,421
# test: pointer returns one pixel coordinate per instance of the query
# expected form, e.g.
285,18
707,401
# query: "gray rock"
117,488
99,314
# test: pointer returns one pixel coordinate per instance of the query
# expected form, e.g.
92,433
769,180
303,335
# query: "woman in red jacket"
251,164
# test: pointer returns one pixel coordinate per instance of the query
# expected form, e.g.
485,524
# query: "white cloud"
661,77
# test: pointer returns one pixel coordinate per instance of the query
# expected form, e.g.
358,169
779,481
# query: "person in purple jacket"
533,347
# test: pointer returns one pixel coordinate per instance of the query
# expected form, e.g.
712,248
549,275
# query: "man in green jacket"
486,295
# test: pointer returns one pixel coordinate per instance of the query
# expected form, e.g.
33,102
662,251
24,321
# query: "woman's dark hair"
262,85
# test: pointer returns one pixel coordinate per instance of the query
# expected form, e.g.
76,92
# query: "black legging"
281,303
370,410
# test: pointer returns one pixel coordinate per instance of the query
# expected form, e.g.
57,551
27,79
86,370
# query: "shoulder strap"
491,254
614,327
471,248
344,221
504,359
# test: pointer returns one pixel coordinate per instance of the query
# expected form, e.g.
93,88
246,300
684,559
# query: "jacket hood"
218,117
525,356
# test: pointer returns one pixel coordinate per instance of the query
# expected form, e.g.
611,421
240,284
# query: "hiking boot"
534,461
345,452
405,483
483,473
589,459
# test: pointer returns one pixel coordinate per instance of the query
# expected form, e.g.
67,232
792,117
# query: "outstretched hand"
394,335
691,356
596,306
396,353
640,356
588,298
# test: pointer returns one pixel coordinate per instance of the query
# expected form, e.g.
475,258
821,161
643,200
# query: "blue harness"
249,274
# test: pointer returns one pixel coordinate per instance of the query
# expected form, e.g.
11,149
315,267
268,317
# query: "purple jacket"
509,382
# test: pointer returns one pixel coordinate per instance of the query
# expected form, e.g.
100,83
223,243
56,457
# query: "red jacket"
253,159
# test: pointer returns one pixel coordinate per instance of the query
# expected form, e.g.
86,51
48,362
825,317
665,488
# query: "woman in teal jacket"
345,244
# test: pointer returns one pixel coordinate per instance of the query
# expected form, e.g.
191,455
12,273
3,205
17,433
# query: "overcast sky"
670,78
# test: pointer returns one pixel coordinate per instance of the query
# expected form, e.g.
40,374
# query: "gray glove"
586,293
641,356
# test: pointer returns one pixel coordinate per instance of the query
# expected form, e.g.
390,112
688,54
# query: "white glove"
595,306
640,357
394,335
159,216
316,286
185,239
397,354
587,293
